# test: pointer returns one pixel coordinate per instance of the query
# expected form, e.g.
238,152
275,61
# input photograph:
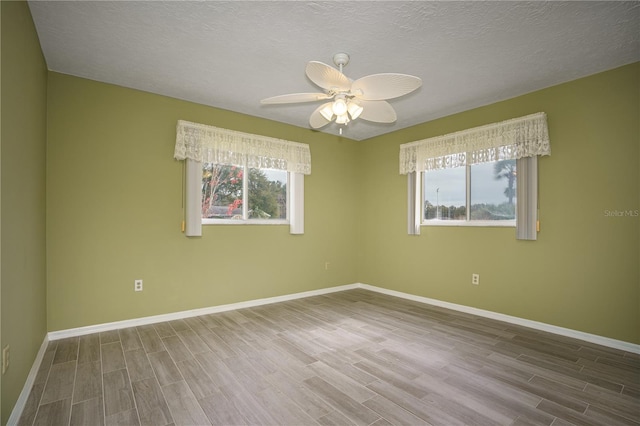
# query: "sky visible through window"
275,175
451,183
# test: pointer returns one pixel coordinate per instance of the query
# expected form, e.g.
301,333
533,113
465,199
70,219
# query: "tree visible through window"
228,192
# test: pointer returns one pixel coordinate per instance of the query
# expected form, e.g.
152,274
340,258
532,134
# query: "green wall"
114,208
582,273
1,419
24,91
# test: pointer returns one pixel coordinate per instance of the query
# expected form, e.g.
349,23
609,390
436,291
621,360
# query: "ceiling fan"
365,97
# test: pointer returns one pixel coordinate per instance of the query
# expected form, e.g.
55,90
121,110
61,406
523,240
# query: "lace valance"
210,144
526,136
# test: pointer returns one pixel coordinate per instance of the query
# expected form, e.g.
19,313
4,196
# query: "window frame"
512,223
523,139
245,202
197,143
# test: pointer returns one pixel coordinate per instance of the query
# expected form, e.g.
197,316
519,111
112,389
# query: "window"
475,176
478,194
230,193
233,177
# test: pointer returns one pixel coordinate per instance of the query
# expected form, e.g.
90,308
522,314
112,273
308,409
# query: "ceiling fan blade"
327,77
378,87
317,120
378,111
295,97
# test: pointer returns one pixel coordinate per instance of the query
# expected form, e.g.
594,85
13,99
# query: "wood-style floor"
354,357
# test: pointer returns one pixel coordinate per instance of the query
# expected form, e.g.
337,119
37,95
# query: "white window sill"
244,222
472,223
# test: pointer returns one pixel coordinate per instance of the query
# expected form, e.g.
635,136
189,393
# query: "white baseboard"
587,337
593,338
26,389
80,331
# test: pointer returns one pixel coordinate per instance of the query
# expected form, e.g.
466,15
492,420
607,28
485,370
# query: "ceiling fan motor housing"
340,59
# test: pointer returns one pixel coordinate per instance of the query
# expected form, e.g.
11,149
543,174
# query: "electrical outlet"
326,266
475,279
5,359
137,285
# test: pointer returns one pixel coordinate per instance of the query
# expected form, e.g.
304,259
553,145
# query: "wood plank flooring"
354,357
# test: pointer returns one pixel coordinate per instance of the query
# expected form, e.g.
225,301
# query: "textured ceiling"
232,54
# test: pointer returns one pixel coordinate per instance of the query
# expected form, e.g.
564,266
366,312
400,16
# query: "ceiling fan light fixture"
327,112
342,118
339,106
354,109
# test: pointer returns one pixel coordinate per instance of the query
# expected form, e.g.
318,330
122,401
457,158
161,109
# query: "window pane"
221,191
444,194
493,190
267,194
